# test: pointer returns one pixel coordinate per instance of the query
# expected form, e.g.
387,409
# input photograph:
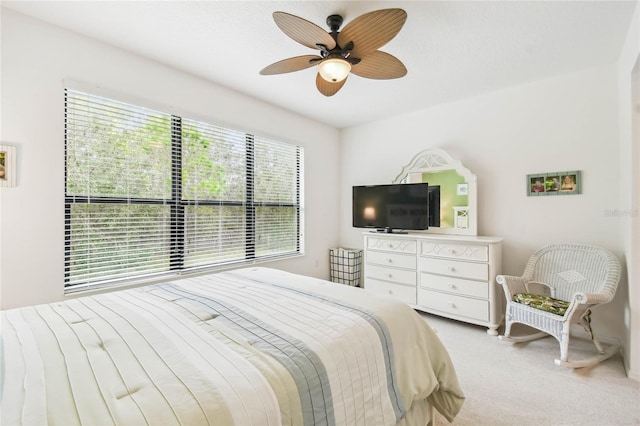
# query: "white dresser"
448,275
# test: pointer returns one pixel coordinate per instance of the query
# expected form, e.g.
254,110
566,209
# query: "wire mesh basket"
345,266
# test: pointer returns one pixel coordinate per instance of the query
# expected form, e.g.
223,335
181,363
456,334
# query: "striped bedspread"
255,346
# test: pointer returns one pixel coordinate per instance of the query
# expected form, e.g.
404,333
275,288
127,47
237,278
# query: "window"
149,193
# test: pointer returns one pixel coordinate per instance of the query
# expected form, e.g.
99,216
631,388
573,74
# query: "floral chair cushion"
545,303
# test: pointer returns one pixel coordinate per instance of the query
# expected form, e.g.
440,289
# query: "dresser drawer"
390,244
392,259
399,292
478,252
391,274
455,268
455,285
455,305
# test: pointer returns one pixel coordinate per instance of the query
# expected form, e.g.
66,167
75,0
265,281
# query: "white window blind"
149,193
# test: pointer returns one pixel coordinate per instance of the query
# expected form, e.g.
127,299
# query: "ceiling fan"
354,49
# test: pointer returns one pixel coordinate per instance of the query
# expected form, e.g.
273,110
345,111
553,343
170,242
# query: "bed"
254,346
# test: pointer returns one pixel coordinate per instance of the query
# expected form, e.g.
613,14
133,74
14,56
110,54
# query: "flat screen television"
393,207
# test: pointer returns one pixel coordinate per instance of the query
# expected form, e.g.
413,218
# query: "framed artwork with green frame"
556,183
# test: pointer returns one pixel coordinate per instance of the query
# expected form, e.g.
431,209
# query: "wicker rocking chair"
559,286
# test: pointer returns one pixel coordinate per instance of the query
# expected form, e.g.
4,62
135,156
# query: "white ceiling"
452,49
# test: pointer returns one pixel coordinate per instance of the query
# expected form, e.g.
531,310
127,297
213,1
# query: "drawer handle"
390,275
451,304
452,251
451,268
389,260
390,291
452,286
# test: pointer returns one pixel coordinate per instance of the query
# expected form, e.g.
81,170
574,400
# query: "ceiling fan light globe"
334,70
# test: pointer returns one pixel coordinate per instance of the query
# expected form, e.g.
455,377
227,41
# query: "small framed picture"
556,183
536,184
7,165
552,183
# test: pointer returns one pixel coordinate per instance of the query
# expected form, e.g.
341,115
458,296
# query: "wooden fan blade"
291,64
304,32
372,30
379,66
327,88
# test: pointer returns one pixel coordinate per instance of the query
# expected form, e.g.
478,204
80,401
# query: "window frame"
178,205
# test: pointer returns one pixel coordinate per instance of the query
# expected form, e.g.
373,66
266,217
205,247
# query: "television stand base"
390,231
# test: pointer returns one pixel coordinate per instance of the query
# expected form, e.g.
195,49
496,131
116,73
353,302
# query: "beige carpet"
519,384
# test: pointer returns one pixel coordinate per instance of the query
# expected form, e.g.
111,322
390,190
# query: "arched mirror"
454,189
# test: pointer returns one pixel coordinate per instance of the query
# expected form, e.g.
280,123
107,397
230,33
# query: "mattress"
254,346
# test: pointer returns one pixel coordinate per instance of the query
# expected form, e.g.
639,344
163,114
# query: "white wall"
565,123
629,106
36,58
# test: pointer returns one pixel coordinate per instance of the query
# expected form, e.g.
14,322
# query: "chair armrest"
511,285
591,299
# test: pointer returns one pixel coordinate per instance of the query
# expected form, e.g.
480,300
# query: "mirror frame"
434,160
